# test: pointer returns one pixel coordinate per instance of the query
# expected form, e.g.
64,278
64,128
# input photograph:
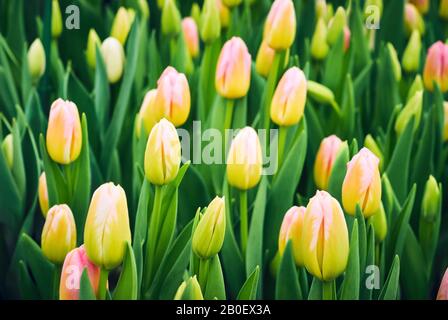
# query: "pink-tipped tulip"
347,37
291,229
413,20
280,26
422,5
436,67
190,30
233,70
326,155
443,290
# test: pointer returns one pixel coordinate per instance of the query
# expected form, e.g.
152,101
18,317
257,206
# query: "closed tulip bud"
326,155
74,264
244,162
64,135
336,27
171,19
443,9
36,60
93,41
233,69
56,19
412,109
43,194
189,290
422,5
173,97
319,45
347,37
445,122
321,9
163,153
379,222
59,233
431,200
196,13
144,8
411,55
224,14
264,60
113,56
396,67
210,22
149,114
417,85
413,19
191,36
442,294
320,93
362,184
436,67
371,144
122,24
209,234
324,241
107,226
8,150
232,3
288,102
280,26
291,229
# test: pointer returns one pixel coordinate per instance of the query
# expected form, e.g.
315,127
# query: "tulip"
436,67
445,122
264,60
321,9
171,19
93,41
413,108
122,24
324,240
431,200
232,3
280,26
36,60
337,25
320,93
196,13
43,194
107,226
233,69
149,113
288,102
319,45
411,55
56,19
163,153
442,294
291,229
144,8
347,37
8,150
413,19
362,184
74,264
224,14
209,234
64,136
173,97
417,85
396,67
113,56
210,26
326,155
244,161
190,31
379,222
443,9
189,290
371,144
421,5
59,233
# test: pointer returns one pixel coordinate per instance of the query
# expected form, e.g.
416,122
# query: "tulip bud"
189,290
209,234
92,42
224,14
319,45
64,135
8,150
59,233
291,229
210,22
443,9
442,294
244,161
413,19
280,26
337,25
56,19
232,3
421,5
326,155
122,24
190,31
371,144
412,109
265,58
173,97
233,69
362,184
144,8
36,60
436,67
320,93
396,67
445,122
196,13
321,9
411,55
43,194
74,264
379,222
163,153
347,37
149,114
113,56
324,242
417,85
431,200
171,19
288,102
107,226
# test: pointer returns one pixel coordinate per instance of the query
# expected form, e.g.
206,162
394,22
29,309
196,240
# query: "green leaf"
390,288
127,286
101,92
249,289
85,287
362,238
350,285
28,290
315,290
366,293
338,171
287,286
215,287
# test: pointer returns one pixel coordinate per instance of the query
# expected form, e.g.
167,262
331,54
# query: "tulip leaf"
287,285
249,289
390,288
348,108
154,61
359,42
85,287
25,81
315,130
338,171
392,24
350,285
362,81
127,286
367,292
333,77
101,92
362,238
215,287
315,290
7,87
28,290
34,114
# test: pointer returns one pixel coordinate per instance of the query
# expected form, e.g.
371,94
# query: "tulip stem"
228,121
282,133
243,221
203,273
102,288
328,290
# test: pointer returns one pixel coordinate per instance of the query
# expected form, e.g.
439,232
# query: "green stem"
102,287
328,289
204,266
56,281
282,133
227,121
303,282
243,221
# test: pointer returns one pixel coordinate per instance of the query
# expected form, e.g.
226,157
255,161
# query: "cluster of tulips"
324,180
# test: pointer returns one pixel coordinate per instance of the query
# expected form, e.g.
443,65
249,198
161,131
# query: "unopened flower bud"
122,24
280,25
190,31
412,109
371,144
337,25
326,155
92,42
224,14
8,150
443,9
189,290
379,222
36,60
442,294
171,19
210,26
149,113
422,5
43,194
291,229
319,45
413,19
113,56
56,19
320,93
396,67
411,55
436,67
431,200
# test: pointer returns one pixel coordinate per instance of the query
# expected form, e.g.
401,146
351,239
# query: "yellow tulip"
280,26
92,42
224,14
319,45
189,290
8,150
190,31
149,113
443,9
171,19
291,229
422,5
413,19
113,56
43,194
326,155
36,60
210,26
264,60
122,24
56,19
